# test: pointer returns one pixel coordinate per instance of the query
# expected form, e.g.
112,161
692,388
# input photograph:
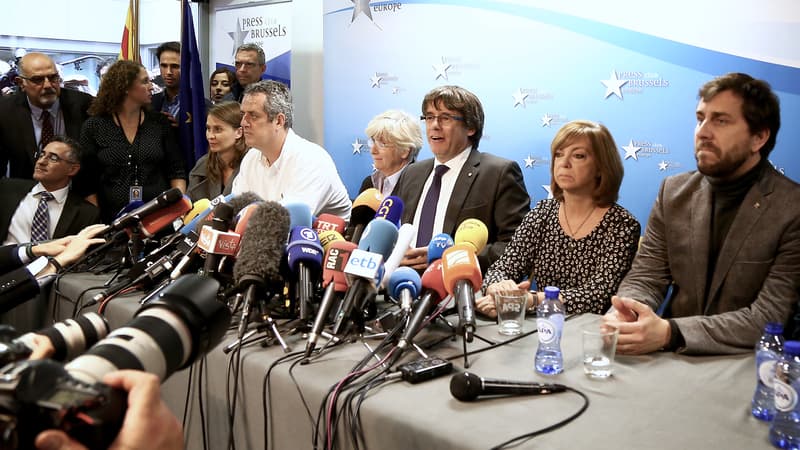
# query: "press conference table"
659,401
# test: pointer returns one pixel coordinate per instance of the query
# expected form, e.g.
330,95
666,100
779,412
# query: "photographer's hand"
148,423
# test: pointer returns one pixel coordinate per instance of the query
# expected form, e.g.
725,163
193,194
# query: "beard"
724,163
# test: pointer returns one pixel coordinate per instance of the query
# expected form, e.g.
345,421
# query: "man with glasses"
45,208
459,182
250,64
36,113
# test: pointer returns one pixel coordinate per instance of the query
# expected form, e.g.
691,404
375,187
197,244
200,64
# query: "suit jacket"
17,138
76,215
200,186
757,274
488,188
16,284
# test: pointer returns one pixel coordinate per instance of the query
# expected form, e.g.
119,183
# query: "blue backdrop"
536,65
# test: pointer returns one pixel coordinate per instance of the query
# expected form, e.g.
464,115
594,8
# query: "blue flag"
192,115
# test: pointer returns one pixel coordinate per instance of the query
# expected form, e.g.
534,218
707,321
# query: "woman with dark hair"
214,173
581,240
130,152
220,85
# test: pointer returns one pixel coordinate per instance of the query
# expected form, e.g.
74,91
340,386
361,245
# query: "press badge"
136,193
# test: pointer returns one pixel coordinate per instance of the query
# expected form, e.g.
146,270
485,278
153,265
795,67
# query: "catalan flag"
129,46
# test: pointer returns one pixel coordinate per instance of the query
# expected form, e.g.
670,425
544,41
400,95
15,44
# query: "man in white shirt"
281,166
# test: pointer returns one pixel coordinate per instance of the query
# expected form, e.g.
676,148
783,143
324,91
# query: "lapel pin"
757,205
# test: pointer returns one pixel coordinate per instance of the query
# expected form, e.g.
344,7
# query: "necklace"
569,227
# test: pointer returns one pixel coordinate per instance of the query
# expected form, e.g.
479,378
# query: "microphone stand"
266,325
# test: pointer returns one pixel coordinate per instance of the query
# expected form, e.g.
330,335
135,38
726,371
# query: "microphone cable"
266,393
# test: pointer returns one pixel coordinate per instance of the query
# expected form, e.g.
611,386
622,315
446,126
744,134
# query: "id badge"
136,193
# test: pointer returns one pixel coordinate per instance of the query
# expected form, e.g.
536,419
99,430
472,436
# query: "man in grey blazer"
474,185
726,237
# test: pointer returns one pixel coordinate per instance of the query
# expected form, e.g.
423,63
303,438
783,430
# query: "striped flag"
129,46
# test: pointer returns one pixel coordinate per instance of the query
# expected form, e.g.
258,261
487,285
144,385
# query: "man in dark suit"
726,237
473,185
168,101
67,212
24,129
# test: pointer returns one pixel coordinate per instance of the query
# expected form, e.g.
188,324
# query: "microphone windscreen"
404,278
261,247
459,262
438,245
474,233
243,217
224,213
157,221
466,386
238,202
432,279
326,238
299,214
303,247
379,236
199,207
327,222
391,209
371,198
336,257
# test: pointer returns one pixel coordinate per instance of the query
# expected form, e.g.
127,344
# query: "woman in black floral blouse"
581,240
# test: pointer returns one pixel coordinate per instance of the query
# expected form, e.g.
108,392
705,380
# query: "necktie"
47,129
428,214
40,228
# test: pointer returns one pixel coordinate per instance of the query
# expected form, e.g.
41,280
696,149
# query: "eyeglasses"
245,64
380,144
52,157
444,119
39,79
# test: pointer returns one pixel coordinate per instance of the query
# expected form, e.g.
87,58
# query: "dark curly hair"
114,87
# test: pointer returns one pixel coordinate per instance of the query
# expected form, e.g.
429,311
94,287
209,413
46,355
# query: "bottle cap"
551,292
773,328
791,348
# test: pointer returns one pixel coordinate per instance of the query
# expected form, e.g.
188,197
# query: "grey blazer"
489,188
757,275
200,186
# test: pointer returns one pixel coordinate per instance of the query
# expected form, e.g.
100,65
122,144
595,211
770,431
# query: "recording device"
404,286
467,387
304,259
165,335
438,245
69,339
462,277
364,208
424,369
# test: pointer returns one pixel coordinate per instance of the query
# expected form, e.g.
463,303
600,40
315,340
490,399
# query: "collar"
456,163
37,112
59,195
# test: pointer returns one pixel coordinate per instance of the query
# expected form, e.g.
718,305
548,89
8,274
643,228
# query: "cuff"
676,340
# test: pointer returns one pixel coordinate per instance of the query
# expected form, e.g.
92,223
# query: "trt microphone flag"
192,114
129,45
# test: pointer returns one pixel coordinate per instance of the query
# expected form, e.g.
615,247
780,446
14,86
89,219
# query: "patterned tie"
47,129
40,228
428,214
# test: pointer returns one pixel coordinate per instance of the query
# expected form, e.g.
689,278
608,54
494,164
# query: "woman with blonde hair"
395,139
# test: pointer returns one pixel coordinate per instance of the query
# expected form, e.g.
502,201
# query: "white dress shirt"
19,232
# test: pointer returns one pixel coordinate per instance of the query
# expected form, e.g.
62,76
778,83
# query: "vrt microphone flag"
192,114
129,45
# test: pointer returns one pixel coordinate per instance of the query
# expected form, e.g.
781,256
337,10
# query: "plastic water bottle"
785,429
549,323
768,353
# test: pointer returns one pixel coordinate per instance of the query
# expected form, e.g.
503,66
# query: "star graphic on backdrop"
546,119
441,70
395,90
237,36
519,97
357,147
662,166
529,161
546,187
631,151
376,80
613,85
361,6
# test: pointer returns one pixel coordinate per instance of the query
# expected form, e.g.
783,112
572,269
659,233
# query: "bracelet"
55,263
29,250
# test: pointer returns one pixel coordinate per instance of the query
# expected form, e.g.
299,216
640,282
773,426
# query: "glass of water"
599,346
510,306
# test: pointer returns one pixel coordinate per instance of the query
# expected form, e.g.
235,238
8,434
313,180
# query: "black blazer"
17,138
76,215
16,284
488,188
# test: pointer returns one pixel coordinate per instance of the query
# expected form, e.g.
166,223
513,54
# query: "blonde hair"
397,128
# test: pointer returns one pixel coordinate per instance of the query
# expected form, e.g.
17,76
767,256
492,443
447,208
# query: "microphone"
468,386
474,233
391,209
334,281
157,221
433,292
163,200
299,214
462,277
257,267
405,285
364,208
404,235
216,238
239,202
198,207
363,266
304,257
329,222
438,245
326,238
